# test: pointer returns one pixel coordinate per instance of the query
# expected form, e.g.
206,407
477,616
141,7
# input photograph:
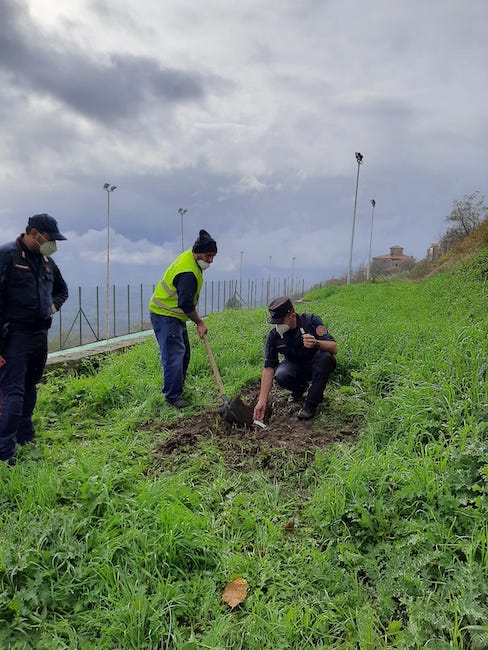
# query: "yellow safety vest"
164,300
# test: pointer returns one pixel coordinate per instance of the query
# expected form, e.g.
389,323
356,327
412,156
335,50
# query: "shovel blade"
239,413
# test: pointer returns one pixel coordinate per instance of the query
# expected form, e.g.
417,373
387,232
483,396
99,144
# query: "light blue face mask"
282,328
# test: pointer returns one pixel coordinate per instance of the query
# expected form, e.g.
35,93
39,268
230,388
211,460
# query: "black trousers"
25,356
297,376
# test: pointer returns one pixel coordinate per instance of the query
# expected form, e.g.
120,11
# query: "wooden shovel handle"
215,370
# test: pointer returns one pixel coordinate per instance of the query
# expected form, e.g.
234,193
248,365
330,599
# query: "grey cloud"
384,108
119,89
106,92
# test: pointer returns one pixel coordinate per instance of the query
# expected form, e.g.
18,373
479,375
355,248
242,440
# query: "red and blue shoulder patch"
321,330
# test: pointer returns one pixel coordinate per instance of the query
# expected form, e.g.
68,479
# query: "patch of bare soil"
285,437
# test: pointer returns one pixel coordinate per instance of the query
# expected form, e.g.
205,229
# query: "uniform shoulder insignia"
321,330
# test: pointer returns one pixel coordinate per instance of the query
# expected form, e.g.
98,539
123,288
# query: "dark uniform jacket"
29,284
291,345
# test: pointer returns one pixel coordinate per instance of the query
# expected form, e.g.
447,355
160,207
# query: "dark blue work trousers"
174,346
25,355
296,376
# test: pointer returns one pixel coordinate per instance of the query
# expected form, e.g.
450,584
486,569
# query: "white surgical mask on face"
48,247
282,328
203,264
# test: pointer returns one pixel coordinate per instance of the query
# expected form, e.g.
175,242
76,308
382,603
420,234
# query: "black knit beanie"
204,243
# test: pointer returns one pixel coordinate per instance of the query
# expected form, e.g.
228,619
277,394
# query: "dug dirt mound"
285,437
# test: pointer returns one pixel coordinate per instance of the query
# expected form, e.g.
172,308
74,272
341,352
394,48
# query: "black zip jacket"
29,284
291,344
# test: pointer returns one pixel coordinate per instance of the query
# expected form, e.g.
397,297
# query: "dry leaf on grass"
235,592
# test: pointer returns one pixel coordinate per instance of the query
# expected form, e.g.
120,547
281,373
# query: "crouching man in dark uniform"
31,291
309,352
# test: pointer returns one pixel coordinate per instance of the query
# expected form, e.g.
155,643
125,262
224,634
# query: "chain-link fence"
84,318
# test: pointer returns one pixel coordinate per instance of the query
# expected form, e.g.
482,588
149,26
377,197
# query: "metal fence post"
115,309
98,314
141,294
79,315
128,309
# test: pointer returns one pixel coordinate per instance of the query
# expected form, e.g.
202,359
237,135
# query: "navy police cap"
279,308
45,223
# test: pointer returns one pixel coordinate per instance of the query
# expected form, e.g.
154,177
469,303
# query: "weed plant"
389,547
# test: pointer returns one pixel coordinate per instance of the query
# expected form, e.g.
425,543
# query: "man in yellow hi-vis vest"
173,303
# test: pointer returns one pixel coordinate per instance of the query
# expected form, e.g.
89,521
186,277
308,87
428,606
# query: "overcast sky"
248,115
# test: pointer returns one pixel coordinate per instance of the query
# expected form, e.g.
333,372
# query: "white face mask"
48,247
203,264
282,328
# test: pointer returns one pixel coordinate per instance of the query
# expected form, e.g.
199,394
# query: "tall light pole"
373,203
359,159
182,212
109,189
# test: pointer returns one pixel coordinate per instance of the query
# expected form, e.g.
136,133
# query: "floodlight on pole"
109,189
292,275
373,204
359,160
182,212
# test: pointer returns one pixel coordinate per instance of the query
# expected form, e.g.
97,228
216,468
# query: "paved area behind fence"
72,355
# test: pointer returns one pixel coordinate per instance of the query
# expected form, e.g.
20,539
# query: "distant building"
433,252
394,262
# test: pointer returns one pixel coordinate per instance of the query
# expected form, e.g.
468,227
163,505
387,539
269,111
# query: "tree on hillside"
467,214
451,238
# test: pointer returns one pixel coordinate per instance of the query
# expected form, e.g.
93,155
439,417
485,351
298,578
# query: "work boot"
307,412
180,403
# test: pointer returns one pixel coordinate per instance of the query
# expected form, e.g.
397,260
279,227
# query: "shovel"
233,410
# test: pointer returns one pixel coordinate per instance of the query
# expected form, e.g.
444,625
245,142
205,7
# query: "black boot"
307,412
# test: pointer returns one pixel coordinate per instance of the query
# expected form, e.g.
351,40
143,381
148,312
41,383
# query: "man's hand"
309,341
201,329
259,410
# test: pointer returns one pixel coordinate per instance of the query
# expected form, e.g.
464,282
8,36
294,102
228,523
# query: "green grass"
390,544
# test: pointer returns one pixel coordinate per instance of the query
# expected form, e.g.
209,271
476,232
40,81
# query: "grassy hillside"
389,543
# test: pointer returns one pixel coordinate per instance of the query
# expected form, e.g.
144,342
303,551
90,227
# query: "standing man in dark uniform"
309,357
31,291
